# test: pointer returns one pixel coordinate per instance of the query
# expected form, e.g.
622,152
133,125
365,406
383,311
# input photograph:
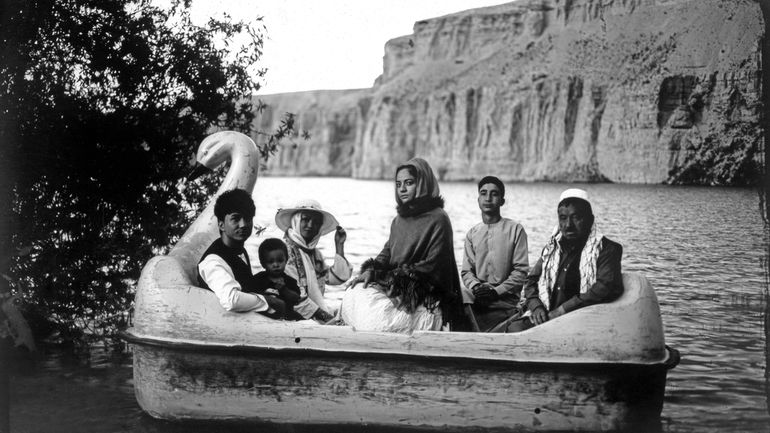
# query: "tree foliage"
103,105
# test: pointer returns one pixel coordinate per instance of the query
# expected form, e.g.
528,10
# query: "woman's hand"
364,277
340,236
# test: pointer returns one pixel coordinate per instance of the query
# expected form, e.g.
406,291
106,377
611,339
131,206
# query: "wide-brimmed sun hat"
283,216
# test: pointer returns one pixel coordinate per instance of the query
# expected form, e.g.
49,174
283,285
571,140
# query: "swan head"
218,148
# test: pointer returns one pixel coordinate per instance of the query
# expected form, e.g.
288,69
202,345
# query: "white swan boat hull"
600,368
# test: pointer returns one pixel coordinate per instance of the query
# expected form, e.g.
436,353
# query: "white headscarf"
315,291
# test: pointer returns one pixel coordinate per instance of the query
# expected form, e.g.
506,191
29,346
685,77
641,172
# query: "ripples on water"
701,248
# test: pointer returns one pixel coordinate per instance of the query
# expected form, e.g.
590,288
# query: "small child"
273,282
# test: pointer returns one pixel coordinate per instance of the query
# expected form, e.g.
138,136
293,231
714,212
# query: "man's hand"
539,316
556,313
485,294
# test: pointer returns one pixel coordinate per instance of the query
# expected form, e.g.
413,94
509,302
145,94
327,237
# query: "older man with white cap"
578,267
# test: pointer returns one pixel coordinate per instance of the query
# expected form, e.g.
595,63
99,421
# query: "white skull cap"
574,193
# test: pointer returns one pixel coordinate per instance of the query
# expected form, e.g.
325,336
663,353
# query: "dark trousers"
514,324
488,317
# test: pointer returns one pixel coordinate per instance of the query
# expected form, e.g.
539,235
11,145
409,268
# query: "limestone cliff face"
637,91
334,120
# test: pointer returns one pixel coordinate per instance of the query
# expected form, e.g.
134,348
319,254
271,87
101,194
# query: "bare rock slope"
634,91
333,118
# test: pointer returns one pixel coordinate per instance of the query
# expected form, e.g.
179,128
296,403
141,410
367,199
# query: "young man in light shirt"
496,261
225,268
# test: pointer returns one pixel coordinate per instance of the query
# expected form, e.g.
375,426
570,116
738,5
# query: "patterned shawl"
418,258
551,257
308,261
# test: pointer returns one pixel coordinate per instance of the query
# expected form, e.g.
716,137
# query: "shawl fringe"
408,288
420,205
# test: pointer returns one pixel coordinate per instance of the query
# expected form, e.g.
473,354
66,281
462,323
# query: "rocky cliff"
637,91
334,120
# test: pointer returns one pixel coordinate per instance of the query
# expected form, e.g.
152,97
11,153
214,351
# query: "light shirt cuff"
218,275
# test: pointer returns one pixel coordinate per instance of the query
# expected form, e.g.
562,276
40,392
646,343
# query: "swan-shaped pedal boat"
599,368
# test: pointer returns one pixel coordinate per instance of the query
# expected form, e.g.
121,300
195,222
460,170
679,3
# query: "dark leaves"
103,103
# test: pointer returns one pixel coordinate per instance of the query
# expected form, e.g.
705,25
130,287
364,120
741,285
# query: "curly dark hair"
232,201
271,244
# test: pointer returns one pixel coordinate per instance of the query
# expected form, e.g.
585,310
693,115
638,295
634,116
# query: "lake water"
703,250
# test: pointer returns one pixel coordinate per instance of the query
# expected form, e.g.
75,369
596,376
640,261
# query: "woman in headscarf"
413,283
304,224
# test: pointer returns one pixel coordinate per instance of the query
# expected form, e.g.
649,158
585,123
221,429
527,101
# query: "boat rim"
670,361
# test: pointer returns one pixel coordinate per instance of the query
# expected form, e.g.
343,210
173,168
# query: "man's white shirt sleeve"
219,277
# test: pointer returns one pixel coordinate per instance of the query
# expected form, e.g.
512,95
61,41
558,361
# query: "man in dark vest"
578,267
225,268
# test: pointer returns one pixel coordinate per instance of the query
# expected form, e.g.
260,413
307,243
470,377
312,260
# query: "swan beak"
198,171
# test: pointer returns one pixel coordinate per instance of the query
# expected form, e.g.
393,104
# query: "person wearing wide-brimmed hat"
578,267
303,225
